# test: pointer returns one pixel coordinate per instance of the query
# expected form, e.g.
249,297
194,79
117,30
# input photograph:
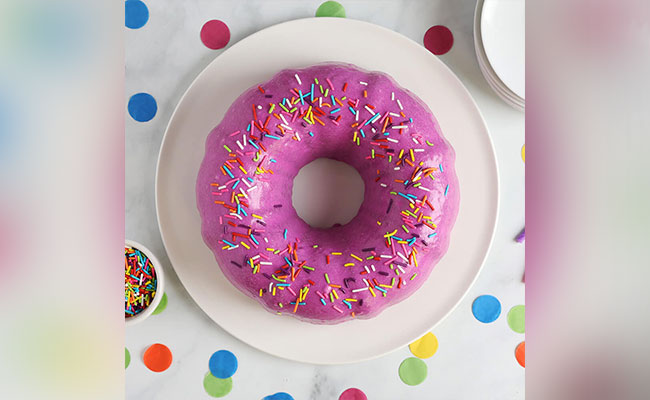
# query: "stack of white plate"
500,42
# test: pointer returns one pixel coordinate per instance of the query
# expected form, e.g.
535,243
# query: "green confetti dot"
216,387
331,9
127,358
161,306
412,371
517,318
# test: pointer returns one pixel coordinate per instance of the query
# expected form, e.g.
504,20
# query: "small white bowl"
160,284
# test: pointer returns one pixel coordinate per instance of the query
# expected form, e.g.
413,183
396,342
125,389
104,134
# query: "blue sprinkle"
228,243
244,212
248,128
440,166
301,98
323,301
412,195
433,234
411,120
312,92
288,261
249,179
334,111
403,195
371,120
311,134
225,167
347,303
273,160
252,142
254,240
446,190
236,183
283,284
273,137
285,234
333,101
352,110
363,134
380,289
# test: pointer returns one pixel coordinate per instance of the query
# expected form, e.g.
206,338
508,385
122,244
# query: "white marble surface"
474,360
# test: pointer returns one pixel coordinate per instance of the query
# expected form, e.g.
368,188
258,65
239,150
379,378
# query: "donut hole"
327,193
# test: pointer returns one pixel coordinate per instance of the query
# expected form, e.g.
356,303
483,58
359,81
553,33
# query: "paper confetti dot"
425,347
520,354
136,14
412,371
279,396
523,153
142,107
157,357
353,394
215,34
162,305
486,308
331,9
438,39
517,318
127,358
223,364
216,387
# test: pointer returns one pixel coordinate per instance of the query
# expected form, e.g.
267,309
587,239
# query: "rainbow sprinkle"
139,281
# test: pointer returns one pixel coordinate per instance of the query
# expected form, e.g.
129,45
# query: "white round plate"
257,58
503,30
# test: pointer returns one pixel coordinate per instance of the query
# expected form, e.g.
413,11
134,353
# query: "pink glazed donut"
341,112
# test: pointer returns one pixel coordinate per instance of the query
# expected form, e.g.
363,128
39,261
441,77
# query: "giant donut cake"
341,112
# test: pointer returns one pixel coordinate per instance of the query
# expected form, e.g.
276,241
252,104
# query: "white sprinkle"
418,150
259,107
242,192
222,187
297,136
415,141
366,281
402,256
359,290
392,140
287,127
253,188
298,79
423,188
383,185
320,102
356,116
255,257
363,83
236,215
370,110
246,182
372,267
240,146
392,96
284,120
266,240
400,268
396,168
266,263
244,136
399,103
385,256
394,115
232,248
399,127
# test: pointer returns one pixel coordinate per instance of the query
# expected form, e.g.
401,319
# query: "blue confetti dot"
136,14
486,308
279,396
223,364
142,107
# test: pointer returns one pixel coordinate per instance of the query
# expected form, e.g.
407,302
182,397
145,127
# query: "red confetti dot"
215,34
353,394
157,357
438,39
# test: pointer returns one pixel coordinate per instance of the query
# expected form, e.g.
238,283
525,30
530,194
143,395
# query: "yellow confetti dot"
425,347
523,153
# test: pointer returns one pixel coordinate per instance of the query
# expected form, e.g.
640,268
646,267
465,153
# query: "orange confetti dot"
520,354
157,357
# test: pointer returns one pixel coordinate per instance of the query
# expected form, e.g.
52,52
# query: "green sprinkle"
414,275
227,148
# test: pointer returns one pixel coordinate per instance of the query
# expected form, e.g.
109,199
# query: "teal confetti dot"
331,9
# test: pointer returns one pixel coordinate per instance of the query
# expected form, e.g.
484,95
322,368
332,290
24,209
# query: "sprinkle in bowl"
143,282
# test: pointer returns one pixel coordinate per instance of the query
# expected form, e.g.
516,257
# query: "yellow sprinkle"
269,249
372,292
336,253
243,170
335,294
353,256
391,234
412,155
273,290
260,292
245,245
256,216
348,264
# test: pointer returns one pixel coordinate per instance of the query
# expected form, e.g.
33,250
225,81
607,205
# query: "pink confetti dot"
353,394
215,34
438,39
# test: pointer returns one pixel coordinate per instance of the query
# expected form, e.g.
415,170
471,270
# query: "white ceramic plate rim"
182,259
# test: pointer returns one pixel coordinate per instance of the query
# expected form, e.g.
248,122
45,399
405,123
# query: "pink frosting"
386,252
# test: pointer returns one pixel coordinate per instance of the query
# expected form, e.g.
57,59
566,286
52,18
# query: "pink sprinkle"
329,83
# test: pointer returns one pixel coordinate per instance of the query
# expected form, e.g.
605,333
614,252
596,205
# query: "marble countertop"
474,360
